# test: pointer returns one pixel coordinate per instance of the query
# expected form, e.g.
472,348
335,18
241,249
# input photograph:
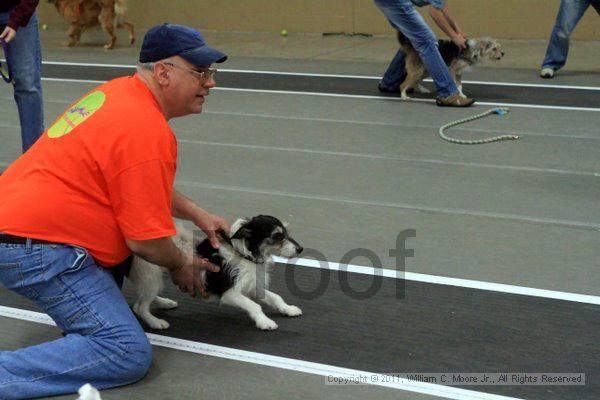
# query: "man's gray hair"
148,66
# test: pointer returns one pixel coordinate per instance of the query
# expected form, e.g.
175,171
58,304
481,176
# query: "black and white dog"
245,261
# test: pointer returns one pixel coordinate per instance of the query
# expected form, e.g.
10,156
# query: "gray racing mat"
388,325
351,86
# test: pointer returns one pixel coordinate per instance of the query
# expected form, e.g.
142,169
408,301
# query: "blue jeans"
25,62
404,17
569,14
103,342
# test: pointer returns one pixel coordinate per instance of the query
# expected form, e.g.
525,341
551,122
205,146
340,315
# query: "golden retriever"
82,14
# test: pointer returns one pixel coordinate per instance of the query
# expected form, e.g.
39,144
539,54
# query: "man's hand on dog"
8,34
460,40
211,225
188,278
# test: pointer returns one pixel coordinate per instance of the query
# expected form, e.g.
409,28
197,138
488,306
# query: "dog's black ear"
205,249
242,233
225,237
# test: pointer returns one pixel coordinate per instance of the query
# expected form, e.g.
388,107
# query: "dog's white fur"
149,281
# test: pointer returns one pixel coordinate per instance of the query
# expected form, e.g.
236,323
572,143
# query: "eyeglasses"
200,75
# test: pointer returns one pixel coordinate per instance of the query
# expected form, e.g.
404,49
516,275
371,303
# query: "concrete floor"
306,50
352,172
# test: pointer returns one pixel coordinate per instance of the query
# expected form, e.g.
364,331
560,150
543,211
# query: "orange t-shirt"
103,171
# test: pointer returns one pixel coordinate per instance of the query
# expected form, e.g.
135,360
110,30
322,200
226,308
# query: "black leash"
5,71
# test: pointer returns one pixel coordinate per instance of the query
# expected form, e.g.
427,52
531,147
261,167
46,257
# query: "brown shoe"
455,100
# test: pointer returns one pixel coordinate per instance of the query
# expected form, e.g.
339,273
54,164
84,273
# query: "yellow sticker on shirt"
77,114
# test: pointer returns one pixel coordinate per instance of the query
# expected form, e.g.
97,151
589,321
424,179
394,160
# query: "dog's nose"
502,53
299,249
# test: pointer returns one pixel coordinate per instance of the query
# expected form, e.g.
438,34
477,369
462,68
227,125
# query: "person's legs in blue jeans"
104,344
569,14
403,15
25,64
395,73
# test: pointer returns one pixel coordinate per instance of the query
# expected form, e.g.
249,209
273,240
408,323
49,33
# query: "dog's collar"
227,240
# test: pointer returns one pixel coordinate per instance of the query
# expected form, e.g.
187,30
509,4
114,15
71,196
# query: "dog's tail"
120,8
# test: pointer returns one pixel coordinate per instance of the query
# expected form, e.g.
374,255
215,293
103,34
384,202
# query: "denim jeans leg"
103,343
25,63
403,15
569,14
396,71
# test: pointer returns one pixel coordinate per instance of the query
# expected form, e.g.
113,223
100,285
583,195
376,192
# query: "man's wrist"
182,262
177,261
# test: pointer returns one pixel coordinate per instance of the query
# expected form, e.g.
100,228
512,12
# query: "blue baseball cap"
167,40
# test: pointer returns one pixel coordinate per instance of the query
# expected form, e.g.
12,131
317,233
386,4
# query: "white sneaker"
547,73
88,392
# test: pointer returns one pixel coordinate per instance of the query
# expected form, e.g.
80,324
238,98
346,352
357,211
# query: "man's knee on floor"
137,358
130,353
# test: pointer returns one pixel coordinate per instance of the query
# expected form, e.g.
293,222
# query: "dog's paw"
292,311
404,96
142,311
423,89
157,323
165,304
266,324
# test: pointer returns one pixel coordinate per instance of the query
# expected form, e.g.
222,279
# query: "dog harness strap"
234,250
